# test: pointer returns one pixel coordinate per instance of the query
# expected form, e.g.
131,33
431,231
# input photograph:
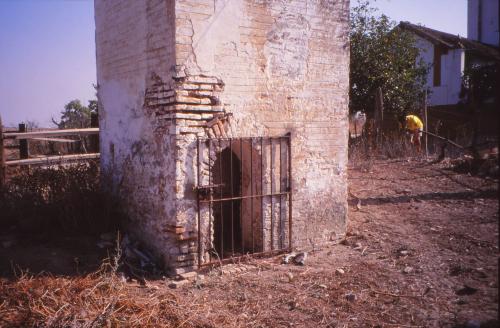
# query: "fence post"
23,143
94,138
426,128
379,113
2,156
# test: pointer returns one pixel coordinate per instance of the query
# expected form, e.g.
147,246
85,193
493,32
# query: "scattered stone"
178,283
403,252
322,286
350,297
189,275
407,269
358,205
460,302
297,258
339,271
288,257
358,246
292,305
300,259
290,276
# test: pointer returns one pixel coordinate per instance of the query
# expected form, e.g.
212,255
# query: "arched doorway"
227,214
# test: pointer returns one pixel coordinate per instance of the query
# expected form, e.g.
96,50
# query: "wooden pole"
50,133
23,144
426,125
444,139
2,156
379,112
94,139
52,159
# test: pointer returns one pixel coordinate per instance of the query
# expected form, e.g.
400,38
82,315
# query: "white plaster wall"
452,67
136,150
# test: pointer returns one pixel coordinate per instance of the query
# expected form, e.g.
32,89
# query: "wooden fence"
24,138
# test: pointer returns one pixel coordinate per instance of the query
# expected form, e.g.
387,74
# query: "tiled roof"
452,41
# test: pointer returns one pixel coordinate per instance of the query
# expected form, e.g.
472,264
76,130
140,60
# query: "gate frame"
203,190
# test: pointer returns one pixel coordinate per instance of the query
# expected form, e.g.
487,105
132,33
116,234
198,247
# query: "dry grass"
363,151
58,198
100,299
447,230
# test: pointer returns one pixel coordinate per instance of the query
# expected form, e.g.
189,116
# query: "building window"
438,51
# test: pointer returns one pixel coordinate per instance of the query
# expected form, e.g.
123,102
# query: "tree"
75,115
481,82
383,55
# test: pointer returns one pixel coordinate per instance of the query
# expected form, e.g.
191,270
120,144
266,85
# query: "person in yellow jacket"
415,126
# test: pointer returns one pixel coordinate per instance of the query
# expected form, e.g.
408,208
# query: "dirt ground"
421,250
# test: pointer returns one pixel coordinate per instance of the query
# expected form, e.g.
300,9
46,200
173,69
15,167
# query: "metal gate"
244,197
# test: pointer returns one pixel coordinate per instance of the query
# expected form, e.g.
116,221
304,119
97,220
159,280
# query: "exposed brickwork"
167,68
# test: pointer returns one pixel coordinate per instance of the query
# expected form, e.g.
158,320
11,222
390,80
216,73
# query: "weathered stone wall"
284,65
137,148
166,68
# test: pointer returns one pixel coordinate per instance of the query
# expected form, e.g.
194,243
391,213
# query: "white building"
448,55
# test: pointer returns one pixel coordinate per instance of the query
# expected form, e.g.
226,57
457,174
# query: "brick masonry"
167,68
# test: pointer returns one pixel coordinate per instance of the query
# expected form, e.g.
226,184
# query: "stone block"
178,283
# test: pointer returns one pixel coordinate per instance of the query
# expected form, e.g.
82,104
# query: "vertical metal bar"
271,197
210,218
220,207
232,195
241,201
290,191
198,198
262,189
281,218
251,194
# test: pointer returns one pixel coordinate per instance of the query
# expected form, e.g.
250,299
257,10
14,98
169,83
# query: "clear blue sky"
47,50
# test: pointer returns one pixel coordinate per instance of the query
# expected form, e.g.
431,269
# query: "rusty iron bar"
262,186
221,210
232,195
281,201
211,198
198,184
241,193
251,193
290,191
271,199
243,197
245,138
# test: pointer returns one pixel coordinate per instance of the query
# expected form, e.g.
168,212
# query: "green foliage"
481,80
383,55
75,115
